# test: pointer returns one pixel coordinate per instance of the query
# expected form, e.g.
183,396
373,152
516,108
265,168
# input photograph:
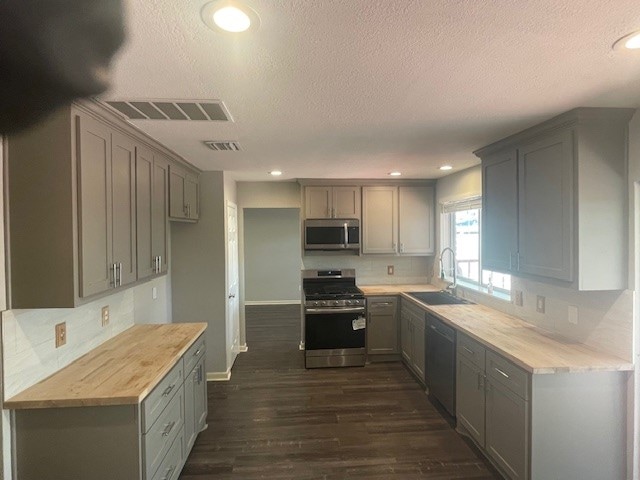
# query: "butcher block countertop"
121,371
531,348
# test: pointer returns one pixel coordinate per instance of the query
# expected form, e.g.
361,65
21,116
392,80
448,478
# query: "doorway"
233,303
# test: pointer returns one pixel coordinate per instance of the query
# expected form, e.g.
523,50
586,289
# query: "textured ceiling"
358,88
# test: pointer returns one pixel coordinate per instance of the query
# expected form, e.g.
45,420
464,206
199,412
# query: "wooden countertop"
121,371
529,347
372,290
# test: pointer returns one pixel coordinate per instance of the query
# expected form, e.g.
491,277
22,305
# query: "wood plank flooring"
276,420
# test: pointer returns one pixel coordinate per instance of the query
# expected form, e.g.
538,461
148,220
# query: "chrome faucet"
452,286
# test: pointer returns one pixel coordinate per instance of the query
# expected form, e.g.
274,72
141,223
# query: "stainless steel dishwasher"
441,363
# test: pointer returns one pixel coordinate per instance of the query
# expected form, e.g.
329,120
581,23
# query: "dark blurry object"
52,52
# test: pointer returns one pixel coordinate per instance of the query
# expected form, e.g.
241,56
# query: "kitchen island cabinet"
124,410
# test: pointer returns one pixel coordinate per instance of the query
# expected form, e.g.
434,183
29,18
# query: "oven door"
335,337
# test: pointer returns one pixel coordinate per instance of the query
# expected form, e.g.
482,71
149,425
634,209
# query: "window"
462,230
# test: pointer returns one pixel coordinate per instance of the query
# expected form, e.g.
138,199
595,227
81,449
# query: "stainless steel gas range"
334,319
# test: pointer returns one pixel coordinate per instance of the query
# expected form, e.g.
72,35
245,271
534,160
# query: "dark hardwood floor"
276,420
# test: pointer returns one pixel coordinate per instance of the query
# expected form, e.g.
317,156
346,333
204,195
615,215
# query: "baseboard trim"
243,348
301,346
272,302
219,376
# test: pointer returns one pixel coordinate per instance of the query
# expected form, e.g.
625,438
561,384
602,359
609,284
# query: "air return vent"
194,110
220,146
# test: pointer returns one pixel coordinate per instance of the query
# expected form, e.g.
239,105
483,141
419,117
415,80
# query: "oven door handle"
317,311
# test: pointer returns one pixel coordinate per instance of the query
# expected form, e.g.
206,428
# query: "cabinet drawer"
382,305
506,373
172,463
161,435
471,350
194,354
159,398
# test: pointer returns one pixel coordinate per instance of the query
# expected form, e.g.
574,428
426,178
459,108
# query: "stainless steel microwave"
332,234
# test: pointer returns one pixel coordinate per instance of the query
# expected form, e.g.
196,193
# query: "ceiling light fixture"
446,167
628,42
395,174
229,16
275,173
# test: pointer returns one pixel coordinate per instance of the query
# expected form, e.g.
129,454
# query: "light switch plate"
105,315
61,334
390,270
154,293
540,304
572,314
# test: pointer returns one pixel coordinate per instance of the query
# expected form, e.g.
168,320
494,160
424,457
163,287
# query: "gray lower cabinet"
146,441
538,427
382,326
412,338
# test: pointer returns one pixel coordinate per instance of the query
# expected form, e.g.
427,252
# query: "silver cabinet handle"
155,264
501,372
380,304
114,271
120,273
169,474
159,263
196,353
468,350
168,428
200,374
167,390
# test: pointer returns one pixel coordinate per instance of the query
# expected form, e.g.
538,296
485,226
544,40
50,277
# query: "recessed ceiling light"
395,174
229,16
275,173
628,42
446,167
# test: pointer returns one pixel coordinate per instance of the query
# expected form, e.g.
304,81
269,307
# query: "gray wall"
198,270
272,254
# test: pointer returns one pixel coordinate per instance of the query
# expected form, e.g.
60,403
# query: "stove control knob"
336,302
348,302
316,304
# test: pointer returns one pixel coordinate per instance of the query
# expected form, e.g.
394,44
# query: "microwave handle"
346,235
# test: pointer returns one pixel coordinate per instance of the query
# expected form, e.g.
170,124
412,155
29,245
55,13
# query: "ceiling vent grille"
192,110
220,146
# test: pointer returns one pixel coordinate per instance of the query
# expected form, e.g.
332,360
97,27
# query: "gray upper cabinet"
332,202
500,210
553,195
151,202
183,195
398,220
86,208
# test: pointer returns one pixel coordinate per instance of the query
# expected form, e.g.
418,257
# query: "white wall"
272,250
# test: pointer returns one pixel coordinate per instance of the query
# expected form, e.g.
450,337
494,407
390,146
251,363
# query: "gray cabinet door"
201,406
470,398
94,209
419,344
123,190
191,197
177,205
190,432
416,220
346,202
382,328
380,220
159,221
500,211
144,195
317,202
545,171
507,430
405,335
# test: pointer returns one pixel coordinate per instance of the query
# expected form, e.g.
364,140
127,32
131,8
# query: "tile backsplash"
373,270
29,345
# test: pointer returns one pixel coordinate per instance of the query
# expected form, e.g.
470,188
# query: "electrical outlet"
517,298
540,301
390,270
105,316
61,334
572,314
154,293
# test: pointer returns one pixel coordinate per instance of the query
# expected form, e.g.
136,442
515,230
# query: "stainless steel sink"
439,298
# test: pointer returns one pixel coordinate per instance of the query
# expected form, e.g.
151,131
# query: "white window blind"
470,203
